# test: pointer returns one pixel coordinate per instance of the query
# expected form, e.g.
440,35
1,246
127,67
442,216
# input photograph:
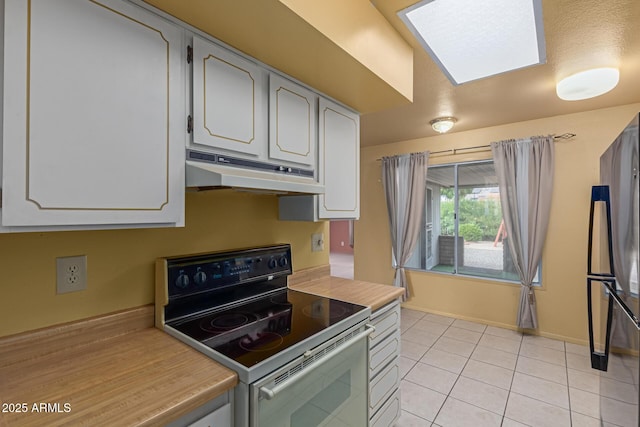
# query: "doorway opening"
341,248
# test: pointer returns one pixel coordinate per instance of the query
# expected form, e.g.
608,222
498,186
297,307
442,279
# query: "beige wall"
562,299
121,262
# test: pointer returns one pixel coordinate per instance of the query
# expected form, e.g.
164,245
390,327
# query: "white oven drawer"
382,354
386,321
388,413
384,385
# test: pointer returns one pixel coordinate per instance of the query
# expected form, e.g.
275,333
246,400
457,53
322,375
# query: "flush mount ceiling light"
587,84
443,124
471,39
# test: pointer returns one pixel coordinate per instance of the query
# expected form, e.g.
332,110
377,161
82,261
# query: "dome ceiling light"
587,84
471,39
443,124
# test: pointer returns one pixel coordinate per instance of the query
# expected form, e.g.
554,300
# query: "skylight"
473,39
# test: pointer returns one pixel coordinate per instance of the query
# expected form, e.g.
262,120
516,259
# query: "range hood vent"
206,171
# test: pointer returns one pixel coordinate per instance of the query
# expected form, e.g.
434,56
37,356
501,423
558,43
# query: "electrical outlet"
317,242
71,274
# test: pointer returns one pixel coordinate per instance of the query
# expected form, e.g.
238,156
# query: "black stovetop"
236,306
255,330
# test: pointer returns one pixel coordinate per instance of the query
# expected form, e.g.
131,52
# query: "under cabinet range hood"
205,171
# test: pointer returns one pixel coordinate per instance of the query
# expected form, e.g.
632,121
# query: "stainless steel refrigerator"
612,283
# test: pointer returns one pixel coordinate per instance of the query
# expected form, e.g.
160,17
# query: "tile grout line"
459,375
506,405
542,378
435,417
476,345
566,361
415,362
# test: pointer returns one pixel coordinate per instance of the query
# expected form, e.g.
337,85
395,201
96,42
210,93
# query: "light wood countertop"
110,370
318,282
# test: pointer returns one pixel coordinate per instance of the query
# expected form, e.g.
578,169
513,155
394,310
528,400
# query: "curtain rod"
454,151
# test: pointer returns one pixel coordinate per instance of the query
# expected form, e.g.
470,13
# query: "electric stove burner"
266,341
316,311
260,328
227,321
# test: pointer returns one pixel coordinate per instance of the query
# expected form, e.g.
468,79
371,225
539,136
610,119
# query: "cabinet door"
94,114
339,165
229,102
388,414
221,417
383,385
292,122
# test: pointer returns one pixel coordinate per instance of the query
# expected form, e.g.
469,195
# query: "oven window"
323,404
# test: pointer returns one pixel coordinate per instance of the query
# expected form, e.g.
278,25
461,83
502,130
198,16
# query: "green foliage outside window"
479,219
470,232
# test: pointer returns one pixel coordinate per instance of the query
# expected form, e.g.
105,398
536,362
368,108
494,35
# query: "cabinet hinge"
189,54
189,124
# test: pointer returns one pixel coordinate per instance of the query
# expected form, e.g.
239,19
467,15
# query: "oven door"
326,387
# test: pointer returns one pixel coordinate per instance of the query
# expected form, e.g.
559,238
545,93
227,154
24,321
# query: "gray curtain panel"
524,169
404,179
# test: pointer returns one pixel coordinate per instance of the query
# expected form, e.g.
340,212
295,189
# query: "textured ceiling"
579,34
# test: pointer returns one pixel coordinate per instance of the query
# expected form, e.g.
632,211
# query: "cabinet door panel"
384,385
339,136
385,323
228,103
292,122
384,357
221,417
382,354
94,115
388,415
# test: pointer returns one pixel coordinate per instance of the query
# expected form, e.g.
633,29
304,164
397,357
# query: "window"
463,231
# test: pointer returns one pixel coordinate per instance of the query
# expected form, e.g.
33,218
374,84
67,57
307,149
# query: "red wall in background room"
339,237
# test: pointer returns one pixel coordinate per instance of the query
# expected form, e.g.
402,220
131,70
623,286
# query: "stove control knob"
283,261
200,277
182,281
273,263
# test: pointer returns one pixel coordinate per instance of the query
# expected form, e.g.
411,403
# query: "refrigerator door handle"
621,304
599,361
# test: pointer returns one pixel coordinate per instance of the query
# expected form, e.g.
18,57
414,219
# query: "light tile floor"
460,373
341,264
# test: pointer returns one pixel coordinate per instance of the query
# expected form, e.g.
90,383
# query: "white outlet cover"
71,274
317,242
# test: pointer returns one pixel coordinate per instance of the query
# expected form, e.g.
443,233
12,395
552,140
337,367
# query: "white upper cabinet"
338,170
94,115
339,161
229,100
292,122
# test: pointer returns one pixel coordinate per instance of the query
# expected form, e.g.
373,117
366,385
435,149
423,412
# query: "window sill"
467,277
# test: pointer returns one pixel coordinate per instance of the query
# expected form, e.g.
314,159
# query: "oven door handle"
270,393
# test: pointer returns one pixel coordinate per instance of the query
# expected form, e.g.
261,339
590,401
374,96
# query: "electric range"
235,307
